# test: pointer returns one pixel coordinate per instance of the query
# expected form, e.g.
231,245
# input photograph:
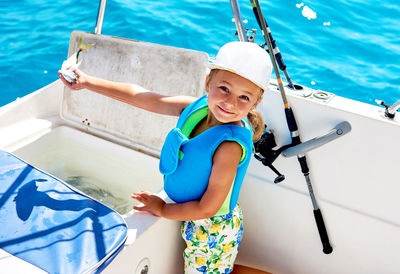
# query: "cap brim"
215,66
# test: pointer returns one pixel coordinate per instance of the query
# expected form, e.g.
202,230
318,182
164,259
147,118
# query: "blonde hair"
254,117
256,122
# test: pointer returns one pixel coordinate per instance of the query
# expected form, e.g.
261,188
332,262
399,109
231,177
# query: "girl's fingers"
143,194
143,198
68,84
62,78
139,208
136,197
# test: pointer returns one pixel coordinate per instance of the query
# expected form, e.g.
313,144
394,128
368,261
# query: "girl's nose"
230,100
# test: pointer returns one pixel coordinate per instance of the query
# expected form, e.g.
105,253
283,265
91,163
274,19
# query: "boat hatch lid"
51,225
164,69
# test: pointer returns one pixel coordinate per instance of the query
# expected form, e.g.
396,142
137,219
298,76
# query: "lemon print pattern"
212,244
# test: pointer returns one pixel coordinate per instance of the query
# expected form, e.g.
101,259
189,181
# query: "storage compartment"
103,170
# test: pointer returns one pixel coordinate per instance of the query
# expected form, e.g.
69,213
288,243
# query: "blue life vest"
187,162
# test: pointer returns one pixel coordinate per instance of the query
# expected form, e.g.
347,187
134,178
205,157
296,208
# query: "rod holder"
301,149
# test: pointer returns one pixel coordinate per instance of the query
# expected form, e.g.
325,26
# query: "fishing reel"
264,152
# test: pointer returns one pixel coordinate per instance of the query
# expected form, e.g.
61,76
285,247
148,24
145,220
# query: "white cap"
246,59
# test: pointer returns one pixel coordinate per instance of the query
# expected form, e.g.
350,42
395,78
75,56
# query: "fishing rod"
292,125
275,49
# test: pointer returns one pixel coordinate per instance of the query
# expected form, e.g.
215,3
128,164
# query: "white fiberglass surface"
103,170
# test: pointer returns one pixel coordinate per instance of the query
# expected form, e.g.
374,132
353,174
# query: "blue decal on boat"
51,225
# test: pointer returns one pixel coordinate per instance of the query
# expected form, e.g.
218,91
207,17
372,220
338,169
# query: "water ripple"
356,55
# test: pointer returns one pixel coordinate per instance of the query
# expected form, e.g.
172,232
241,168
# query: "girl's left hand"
151,203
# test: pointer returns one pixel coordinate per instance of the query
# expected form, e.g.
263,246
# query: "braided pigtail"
256,122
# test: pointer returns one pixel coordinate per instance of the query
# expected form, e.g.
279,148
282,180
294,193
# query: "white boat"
84,135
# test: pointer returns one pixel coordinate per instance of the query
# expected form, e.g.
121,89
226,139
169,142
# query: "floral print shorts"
212,244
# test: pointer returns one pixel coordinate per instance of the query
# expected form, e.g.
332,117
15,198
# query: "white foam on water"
308,13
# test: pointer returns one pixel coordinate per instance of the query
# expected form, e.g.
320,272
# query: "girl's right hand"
80,82
151,203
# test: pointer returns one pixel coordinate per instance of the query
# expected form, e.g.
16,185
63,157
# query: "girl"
204,159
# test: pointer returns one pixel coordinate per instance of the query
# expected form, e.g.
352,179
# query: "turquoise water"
350,48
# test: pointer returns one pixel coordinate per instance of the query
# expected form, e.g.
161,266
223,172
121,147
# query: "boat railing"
235,8
241,31
390,110
393,108
100,16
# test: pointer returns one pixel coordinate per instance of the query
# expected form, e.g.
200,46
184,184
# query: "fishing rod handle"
278,56
326,246
256,15
275,49
292,125
303,164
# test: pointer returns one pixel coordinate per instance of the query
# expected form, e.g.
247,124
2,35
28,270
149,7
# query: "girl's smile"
225,111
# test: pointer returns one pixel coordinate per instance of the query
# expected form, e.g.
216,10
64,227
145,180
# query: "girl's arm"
131,94
225,162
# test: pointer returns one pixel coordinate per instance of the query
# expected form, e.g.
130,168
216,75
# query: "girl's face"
230,96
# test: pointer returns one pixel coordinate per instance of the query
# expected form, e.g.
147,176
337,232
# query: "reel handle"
267,163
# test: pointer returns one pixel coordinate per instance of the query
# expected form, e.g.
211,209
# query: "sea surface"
348,47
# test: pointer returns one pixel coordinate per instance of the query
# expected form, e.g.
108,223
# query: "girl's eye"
224,89
244,97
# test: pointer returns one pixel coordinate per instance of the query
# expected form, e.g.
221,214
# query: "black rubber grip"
279,59
327,248
257,17
303,164
291,121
